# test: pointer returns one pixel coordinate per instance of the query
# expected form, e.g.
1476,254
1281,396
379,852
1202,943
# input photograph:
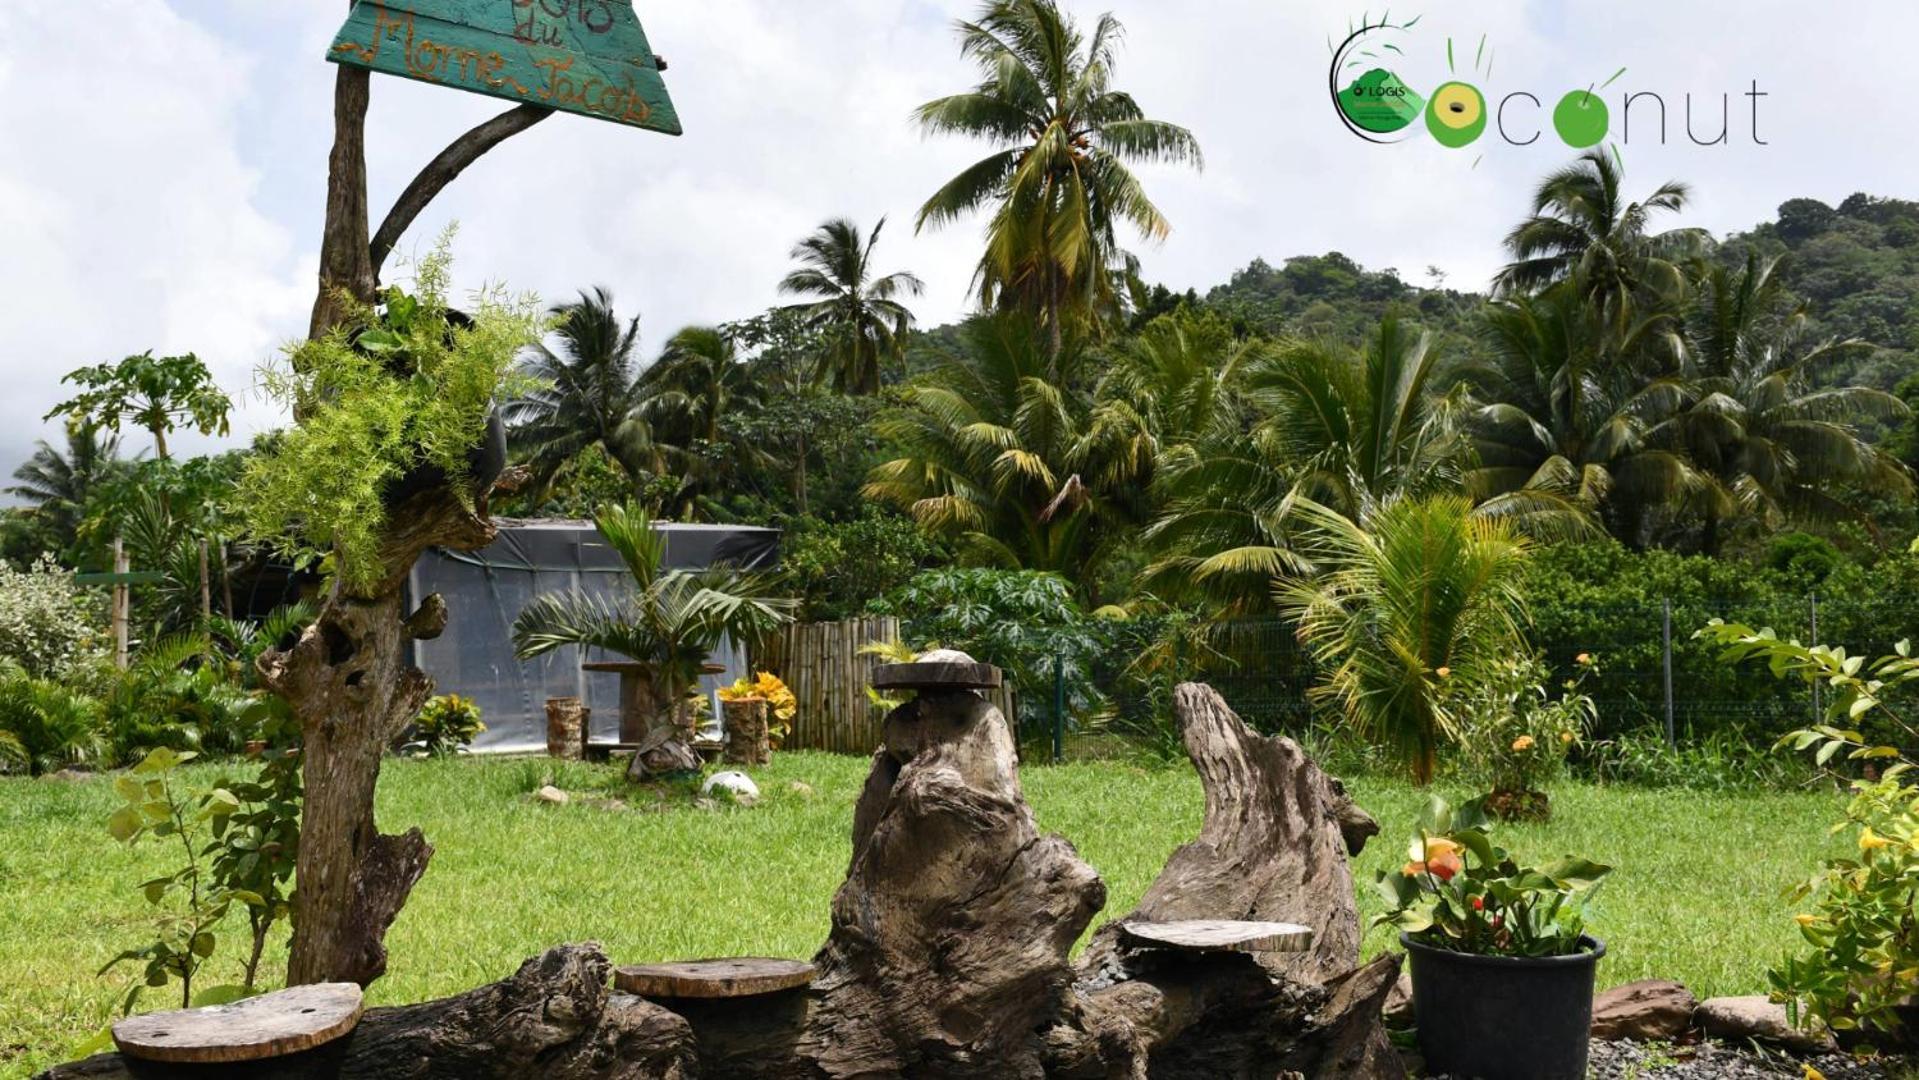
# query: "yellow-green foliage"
393,389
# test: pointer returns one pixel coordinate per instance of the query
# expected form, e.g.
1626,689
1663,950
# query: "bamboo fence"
822,665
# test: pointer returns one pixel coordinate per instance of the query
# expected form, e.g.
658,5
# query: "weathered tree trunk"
350,682
554,1019
1273,847
348,679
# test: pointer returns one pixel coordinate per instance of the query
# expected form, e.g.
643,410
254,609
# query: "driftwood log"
950,949
555,1018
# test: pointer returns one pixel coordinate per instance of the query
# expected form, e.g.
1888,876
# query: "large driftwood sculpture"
951,940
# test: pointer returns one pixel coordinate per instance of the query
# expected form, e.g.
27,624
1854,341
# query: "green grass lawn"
1697,895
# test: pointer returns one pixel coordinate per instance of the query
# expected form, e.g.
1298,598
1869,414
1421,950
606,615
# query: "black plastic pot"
485,463
1501,1017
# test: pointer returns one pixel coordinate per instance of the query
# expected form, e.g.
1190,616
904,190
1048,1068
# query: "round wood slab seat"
1219,935
940,669
269,1026
745,976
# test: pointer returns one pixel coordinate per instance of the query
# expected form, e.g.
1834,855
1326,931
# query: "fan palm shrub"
1425,596
671,621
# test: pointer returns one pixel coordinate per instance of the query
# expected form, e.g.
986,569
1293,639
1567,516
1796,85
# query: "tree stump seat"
269,1026
941,669
1218,935
738,977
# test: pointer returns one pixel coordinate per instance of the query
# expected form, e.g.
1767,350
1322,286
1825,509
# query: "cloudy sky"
163,173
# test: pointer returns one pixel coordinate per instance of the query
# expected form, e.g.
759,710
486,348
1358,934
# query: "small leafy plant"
189,902
1460,893
446,725
1515,735
1864,926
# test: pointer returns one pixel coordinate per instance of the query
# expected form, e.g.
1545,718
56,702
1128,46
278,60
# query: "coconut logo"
1376,99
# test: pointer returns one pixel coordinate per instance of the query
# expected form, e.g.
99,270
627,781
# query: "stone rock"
552,795
1756,1017
1398,1012
1646,1011
736,784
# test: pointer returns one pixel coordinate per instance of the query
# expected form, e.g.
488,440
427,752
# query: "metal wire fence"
1653,674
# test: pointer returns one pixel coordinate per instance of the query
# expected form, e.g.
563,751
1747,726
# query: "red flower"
1479,903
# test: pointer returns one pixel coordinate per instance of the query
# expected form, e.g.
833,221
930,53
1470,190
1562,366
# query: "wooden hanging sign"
581,56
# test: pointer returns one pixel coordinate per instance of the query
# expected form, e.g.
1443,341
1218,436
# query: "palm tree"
1425,596
1059,180
1350,429
1582,229
857,315
996,453
57,485
1755,421
589,394
672,622
1555,411
698,383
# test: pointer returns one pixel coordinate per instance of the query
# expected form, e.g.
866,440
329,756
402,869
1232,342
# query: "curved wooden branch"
446,168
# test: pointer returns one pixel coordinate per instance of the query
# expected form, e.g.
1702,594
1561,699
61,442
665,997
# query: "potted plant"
1502,967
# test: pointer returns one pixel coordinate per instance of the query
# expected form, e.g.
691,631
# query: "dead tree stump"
1273,847
747,742
554,1019
567,722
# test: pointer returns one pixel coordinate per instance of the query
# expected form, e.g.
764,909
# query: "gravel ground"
1716,1061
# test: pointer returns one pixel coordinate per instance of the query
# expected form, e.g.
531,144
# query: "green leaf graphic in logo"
1456,115
1378,102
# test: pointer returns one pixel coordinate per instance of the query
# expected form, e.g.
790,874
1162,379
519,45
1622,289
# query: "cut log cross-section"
268,1026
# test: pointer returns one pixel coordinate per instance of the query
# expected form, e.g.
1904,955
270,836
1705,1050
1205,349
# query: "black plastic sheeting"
486,590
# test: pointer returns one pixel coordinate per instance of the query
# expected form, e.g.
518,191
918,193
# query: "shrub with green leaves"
48,625
1024,621
446,725
45,725
404,386
1864,925
1514,732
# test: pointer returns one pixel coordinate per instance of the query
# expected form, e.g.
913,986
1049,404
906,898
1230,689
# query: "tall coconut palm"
698,383
995,454
1426,595
589,394
1756,422
1583,229
56,485
671,622
1058,182
857,315
1556,411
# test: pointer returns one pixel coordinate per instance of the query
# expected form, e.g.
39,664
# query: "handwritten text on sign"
584,56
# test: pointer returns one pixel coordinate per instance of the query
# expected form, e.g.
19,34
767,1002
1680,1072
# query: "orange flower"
1583,659
1444,672
1441,858
1522,744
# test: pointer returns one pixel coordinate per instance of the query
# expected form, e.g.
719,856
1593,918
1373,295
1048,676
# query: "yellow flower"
1872,841
1566,737
1435,855
1444,673
1522,744
1806,920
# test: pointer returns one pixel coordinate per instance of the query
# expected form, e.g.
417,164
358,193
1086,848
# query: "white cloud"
170,196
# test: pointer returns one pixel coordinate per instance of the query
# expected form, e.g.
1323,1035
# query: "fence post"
1059,710
1817,711
1672,733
